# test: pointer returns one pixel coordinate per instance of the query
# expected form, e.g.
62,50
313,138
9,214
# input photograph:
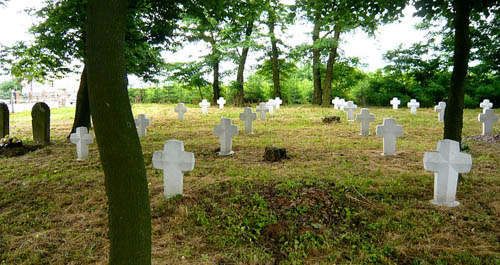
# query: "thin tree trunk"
327,89
215,84
201,95
129,215
274,55
82,110
241,66
316,65
453,117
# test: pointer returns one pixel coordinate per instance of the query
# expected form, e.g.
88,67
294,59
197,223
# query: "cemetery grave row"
447,162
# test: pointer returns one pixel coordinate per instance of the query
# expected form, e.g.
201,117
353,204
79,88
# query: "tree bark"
453,117
316,64
327,89
215,68
129,215
82,110
241,66
274,55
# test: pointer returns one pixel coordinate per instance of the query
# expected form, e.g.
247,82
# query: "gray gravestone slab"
4,119
40,114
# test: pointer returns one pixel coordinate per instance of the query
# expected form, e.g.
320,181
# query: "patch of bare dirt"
18,150
487,139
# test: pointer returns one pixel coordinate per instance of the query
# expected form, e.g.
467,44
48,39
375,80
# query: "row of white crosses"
271,104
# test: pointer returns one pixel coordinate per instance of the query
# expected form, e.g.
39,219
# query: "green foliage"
8,86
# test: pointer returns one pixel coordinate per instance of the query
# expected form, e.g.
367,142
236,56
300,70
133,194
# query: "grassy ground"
335,201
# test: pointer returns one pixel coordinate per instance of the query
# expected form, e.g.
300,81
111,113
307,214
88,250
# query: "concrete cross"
440,109
173,160
262,109
342,104
349,108
82,138
180,109
277,102
486,104
395,103
248,117
336,102
389,131
204,104
270,105
226,131
447,162
488,118
365,117
141,123
413,105
221,101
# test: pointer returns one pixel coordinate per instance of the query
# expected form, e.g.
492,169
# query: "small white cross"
173,161
349,108
413,105
270,105
226,131
221,101
278,102
395,103
389,131
447,163
486,104
488,118
262,109
141,123
365,117
440,109
336,102
82,139
342,104
180,109
204,104
248,117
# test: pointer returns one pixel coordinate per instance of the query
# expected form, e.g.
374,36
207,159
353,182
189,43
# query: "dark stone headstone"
40,115
274,154
4,119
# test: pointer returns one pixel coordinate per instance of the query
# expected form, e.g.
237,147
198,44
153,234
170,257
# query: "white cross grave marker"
349,108
277,102
446,163
180,109
336,102
226,131
365,117
141,123
270,105
204,104
486,104
248,117
389,131
440,109
173,161
221,101
342,104
488,118
262,109
413,105
82,138
395,103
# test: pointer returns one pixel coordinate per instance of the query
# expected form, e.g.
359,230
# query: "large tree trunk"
129,215
453,117
327,89
316,65
241,66
274,55
82,110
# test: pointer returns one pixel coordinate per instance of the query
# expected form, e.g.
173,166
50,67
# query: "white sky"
14,24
